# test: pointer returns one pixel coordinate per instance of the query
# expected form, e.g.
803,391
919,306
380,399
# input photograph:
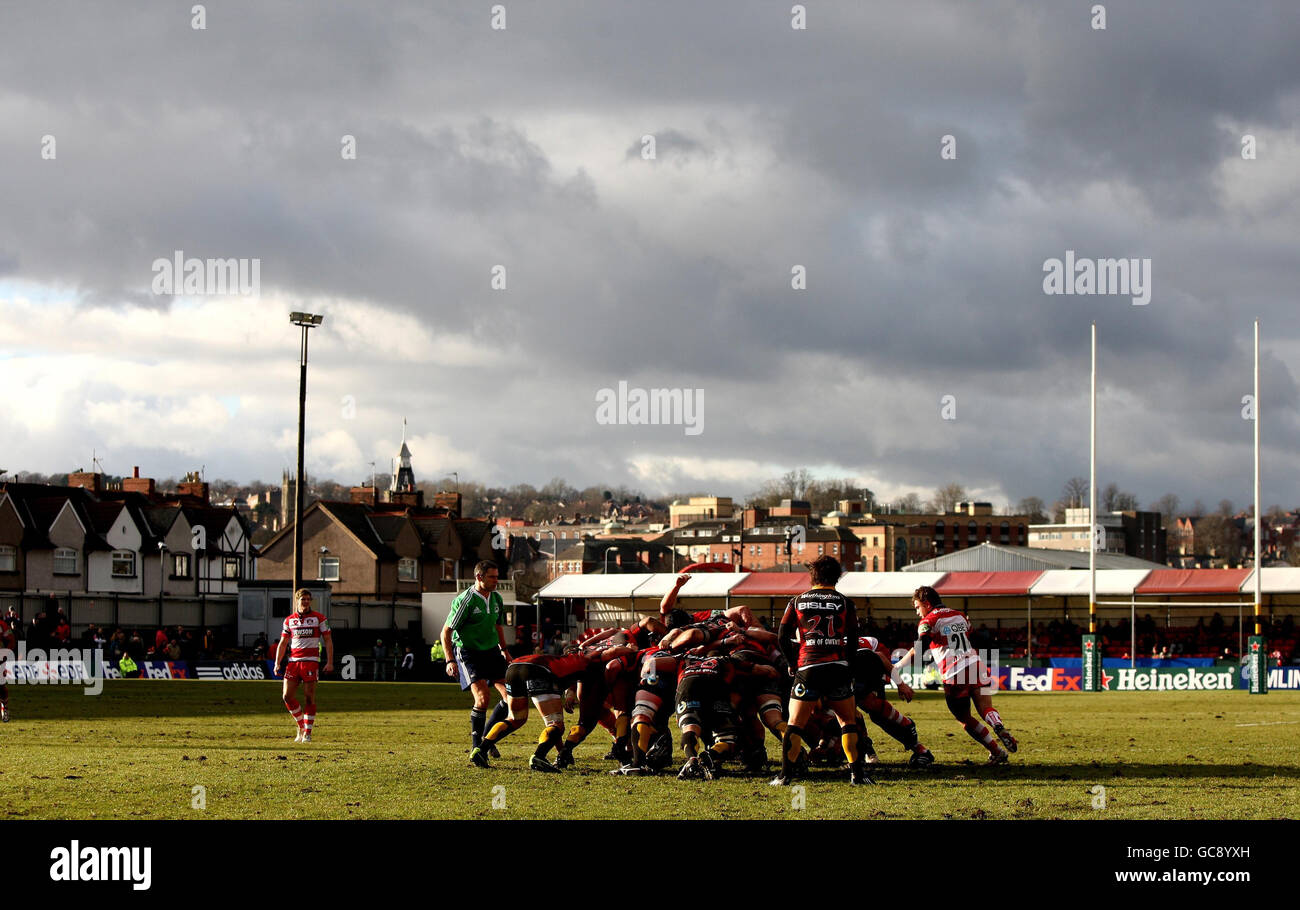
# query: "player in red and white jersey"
8,641
301,636
965,678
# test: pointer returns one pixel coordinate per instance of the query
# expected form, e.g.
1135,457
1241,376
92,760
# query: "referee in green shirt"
479,657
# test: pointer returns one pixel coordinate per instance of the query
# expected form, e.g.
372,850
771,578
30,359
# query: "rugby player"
654,692
8,641
965,678
301,637
625,671
610,655
704,684
871,669
674,618
544,678
479,657
826,623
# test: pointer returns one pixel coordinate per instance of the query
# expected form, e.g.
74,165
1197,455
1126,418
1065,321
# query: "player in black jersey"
704,683
871,671
826,625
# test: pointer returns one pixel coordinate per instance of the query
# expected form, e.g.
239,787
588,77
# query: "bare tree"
1218,536
1075,492
945,498
908,503
1226,508
1108,496
1167,506
1034,507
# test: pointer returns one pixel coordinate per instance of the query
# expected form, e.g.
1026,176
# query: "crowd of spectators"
1212,638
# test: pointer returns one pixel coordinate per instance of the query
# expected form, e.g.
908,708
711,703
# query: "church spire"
403,475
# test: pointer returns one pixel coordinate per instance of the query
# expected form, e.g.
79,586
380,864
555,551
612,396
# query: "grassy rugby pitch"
399,751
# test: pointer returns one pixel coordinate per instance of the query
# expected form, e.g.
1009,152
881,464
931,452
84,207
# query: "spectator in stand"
116,645
173,650
15,624
160,639
380,654
135,647
1216,625
407,669
260,646
209,648
185,641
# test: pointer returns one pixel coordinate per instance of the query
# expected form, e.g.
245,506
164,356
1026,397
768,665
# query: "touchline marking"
1271,723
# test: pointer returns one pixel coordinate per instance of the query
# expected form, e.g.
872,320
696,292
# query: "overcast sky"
774,148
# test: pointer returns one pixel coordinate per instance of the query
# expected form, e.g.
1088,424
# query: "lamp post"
306,321
555,549
162,574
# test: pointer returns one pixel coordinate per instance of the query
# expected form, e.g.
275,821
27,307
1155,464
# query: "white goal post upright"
1258,654
1091,679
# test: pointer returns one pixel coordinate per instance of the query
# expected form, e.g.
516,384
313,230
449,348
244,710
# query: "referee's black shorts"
489,664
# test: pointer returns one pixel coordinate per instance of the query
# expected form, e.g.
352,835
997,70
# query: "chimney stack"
137,484
90,480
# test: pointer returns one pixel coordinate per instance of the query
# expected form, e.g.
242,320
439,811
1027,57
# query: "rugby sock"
992,718
886,711
645,734
295,711
778,730
903,730
690,744
849,742
501,729
308,716
577,733
982,735
622,724
499,713
477,721
550,737
791,747
721,749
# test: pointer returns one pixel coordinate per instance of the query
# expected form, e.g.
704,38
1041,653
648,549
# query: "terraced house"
108,544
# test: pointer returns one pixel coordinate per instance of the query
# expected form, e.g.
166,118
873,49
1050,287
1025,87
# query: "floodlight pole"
306,321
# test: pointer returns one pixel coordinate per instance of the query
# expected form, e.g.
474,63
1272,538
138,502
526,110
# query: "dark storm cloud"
822,146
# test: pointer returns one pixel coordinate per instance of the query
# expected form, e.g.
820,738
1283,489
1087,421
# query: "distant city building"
1139,534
